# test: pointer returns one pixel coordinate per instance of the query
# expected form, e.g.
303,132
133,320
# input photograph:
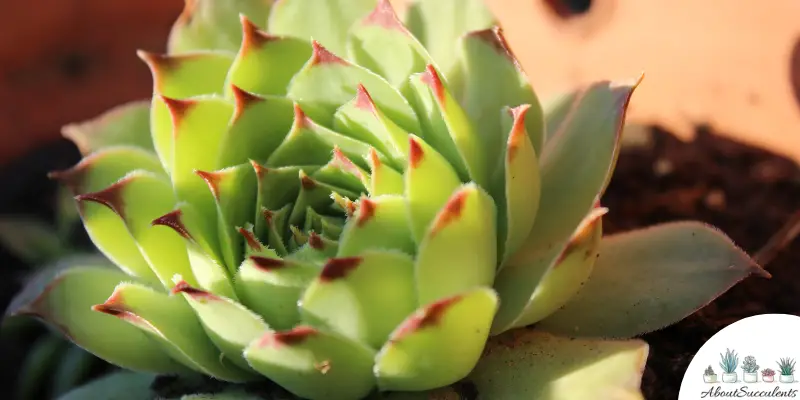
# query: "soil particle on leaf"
746,192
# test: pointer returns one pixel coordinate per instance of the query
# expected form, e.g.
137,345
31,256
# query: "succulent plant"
728,361
749,365
786,365
768,372
346,202
709,371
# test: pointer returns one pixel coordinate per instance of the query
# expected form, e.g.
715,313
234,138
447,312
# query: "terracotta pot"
63,61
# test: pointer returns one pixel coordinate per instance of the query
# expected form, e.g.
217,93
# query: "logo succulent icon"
324,195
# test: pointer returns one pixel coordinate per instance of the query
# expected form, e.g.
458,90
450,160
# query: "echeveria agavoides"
345,201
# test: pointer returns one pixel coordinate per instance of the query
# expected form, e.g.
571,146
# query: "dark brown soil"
746,192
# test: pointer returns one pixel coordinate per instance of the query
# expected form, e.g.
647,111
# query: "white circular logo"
755,358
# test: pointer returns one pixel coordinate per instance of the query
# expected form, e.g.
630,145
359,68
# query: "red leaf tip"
366,210
322,56
184,287
383,15
426,317
451,212
212,180
415,153
241,100
364,100
315,241
173,220
518,130
250,239
338,268
301,120
178,108
110,197
431,78
291,337
252,35
266,263
494,37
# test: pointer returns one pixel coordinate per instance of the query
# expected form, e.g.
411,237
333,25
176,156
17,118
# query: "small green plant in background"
729,361
749,365
352,202
786,366
709,371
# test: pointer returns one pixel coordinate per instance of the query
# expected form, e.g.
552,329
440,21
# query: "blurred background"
713,135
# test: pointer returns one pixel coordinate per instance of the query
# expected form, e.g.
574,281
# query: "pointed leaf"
271,287
138,199
535,365
381,43
124,125
171,322
229,325
383,179
211,24
327,82
265,63
314,365
379,223
442,267
275,227
84,286
102,168
327,21
429,182
650,278
574,165
437,345
364,297
342,173
277,188
426,19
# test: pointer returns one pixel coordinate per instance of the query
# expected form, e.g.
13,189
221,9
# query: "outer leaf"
534,365
443,267
326,82
379,222
102,168
363,298
381,43
85,286
437,345
31,239
211,24
170,321
118,386
314,365
438,25
327,21
127,124
265,63
575,164
74,367
650,278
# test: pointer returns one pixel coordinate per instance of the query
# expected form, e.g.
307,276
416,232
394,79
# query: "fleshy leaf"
383,179
438,25
265,63
272,286
326,21
443,267
650,278
429,182
31,239
364,297
381,43
212,24
229,325
327,82
437,345
85,285
574,165
138,199
314,365
379,222
172,323
123,385
535,365
124,125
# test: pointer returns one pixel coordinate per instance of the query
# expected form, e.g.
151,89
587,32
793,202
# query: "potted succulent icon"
786,366
728,363
768,375
750,369
709,376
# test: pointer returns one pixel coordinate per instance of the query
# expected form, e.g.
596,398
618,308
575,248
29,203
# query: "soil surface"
747,193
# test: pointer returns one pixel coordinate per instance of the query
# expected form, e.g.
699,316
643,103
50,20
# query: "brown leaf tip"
364,100
431,78
266,263
291,337
315,241
494,37
301,120
178,108
241,100
451,212
322,56
184,287
415,153
252,35
307,182
173,220
424,318
115,306
384,16
212,180
583,233
260,170
110,197
72,178
518,131
156,61
338,268
366,210
250,239
267,216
